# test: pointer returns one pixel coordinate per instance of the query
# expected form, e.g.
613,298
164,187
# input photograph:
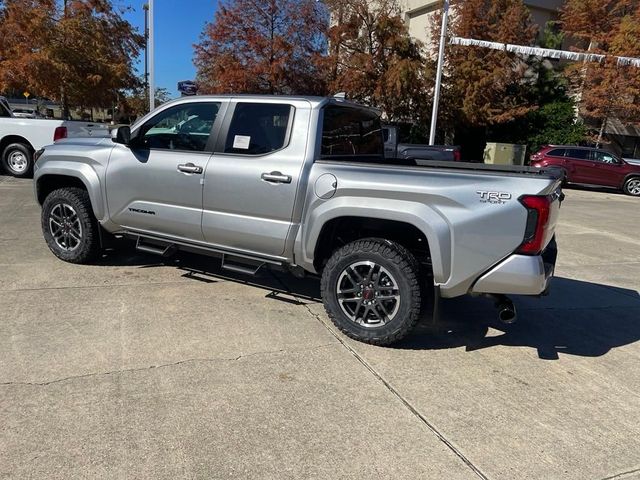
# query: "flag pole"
152,86
436,93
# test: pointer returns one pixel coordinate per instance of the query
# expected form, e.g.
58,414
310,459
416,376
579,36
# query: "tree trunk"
64,104
603,125
63,94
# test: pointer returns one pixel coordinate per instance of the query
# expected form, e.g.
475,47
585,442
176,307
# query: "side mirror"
121,135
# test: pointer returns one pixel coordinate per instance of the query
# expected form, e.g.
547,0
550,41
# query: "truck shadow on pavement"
577,318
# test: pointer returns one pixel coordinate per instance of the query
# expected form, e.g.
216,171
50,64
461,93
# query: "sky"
178,25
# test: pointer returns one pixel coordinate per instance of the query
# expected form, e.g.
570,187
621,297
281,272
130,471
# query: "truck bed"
479,168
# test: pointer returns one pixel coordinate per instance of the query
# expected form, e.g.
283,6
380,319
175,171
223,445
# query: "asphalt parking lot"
139,368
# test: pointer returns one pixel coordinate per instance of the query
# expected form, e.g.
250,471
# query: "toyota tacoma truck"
301,183
21,137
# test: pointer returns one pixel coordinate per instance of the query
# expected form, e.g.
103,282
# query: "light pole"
145,7
151,62
436,92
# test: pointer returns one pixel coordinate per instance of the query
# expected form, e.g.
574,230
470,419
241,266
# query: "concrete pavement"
139,368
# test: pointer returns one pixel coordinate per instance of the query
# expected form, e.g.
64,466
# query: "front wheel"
371,291
632,187
17,160
69,226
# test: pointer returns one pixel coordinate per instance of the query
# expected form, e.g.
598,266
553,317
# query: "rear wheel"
69,226
371,291
17,160
632,186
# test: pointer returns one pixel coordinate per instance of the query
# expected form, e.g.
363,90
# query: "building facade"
418,15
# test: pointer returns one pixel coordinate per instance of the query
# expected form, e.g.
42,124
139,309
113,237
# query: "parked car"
413,153
21,137
590,166
301,183
25,113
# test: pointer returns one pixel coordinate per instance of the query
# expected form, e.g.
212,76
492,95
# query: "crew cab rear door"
252,179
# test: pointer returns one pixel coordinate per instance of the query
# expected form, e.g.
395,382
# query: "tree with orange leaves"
374,60
606,90
271,47
486,86
27,29
80,52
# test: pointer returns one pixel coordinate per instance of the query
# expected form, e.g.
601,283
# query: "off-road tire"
89,245
17,160
404,268
631,186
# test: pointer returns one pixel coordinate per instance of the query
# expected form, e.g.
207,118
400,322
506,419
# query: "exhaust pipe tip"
506,309
507,313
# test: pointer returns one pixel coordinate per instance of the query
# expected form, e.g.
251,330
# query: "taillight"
539,209
59,133
456,156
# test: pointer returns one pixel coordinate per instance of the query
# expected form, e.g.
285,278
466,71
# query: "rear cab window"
259,128
351,134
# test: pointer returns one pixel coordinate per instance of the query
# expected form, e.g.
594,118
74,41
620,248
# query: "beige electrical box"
504,154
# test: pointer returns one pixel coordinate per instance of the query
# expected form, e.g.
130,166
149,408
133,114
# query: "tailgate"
554,213
86,129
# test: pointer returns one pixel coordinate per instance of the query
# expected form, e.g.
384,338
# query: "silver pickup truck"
302,184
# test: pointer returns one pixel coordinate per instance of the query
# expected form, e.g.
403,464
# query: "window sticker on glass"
241,142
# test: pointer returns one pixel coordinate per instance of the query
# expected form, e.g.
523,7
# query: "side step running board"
235,263
164,249
241,265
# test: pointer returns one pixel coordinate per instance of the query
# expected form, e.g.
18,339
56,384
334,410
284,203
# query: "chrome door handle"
276,177
189,168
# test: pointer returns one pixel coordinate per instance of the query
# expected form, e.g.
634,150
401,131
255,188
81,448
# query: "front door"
584,169
252,180
154,185
609,169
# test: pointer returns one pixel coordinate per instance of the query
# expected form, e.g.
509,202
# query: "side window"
4,109
351,132
578,154
185,127
258,128
558,152
604,157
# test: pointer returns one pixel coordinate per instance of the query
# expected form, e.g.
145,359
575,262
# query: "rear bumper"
520,274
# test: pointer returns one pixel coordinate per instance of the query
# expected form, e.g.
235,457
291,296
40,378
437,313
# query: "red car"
590,166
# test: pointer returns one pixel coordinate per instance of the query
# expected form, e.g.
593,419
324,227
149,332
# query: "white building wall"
418,15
